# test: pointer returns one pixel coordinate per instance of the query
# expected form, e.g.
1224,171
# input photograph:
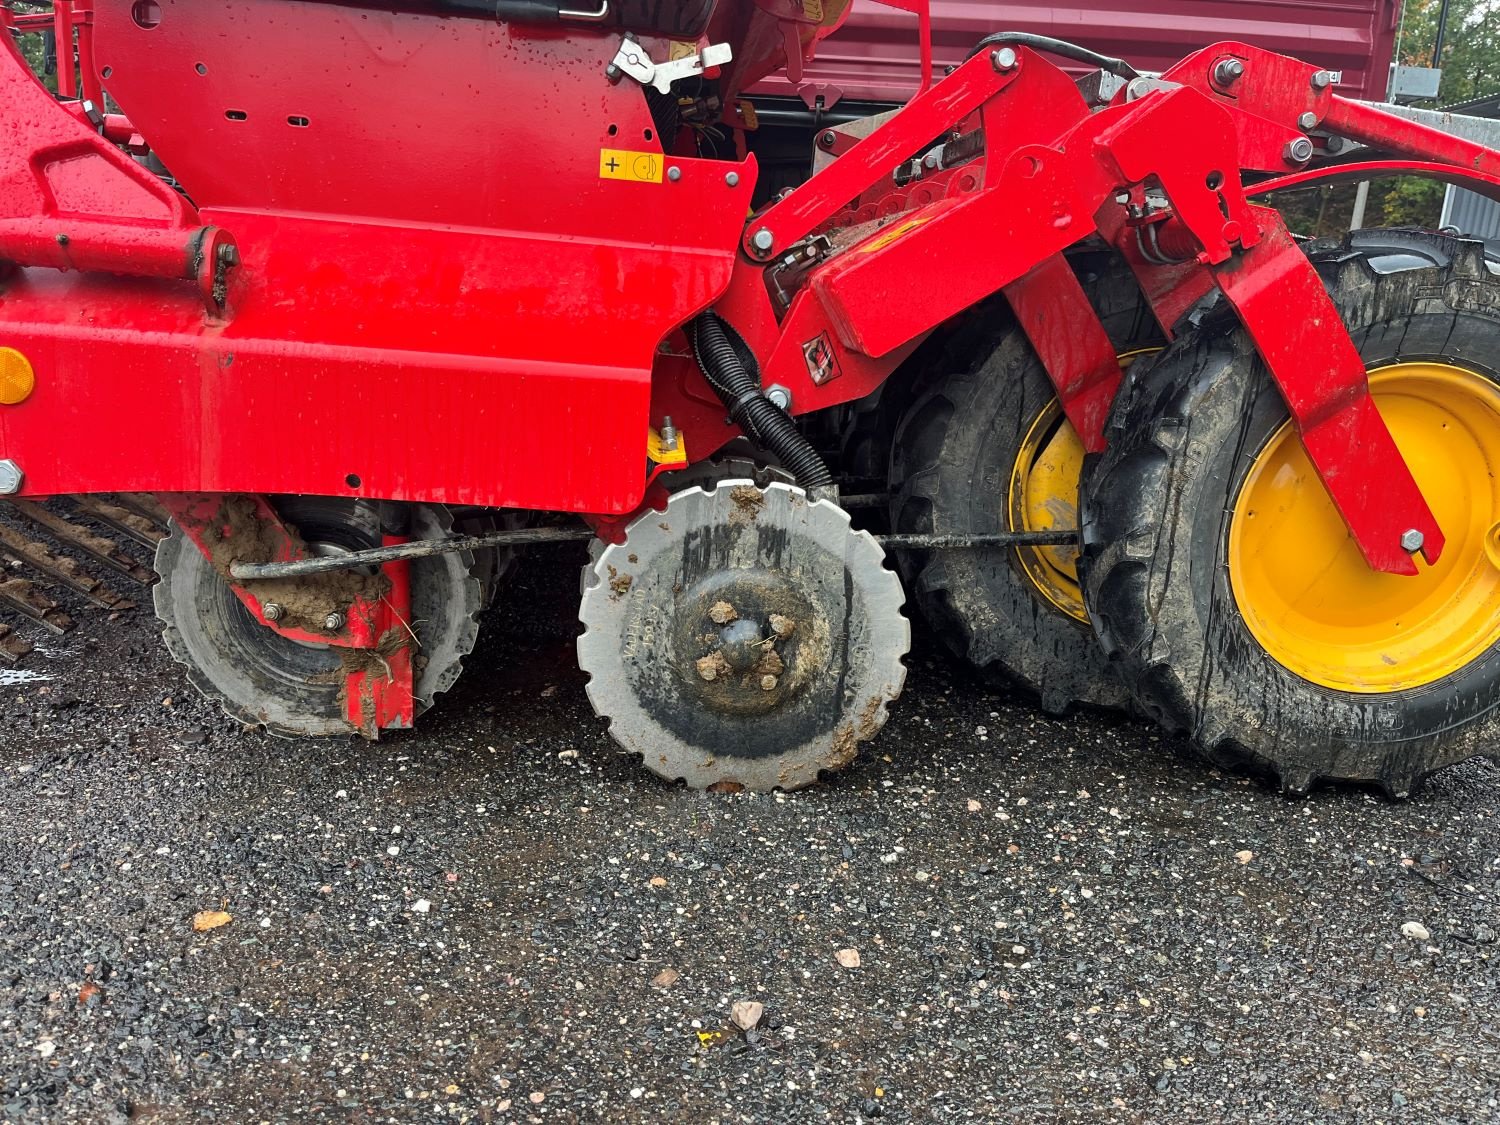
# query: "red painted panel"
874,55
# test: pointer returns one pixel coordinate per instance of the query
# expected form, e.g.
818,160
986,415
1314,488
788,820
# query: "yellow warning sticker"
619,164
892,235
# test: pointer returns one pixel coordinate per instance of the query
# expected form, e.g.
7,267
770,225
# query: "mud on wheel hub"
744,635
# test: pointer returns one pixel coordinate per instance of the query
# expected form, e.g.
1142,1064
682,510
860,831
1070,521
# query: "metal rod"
998,539
418,550
299,568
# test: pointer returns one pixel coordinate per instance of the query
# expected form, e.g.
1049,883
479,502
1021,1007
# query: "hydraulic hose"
1061,47
762,420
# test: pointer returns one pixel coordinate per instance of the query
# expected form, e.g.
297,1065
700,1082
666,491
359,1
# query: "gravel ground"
498,917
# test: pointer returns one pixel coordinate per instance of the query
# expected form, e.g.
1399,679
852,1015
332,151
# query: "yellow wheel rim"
1306,593
1044,497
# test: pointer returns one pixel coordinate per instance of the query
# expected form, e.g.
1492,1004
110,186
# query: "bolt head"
768,683
11,477
1412,540
733,179
763,240
333,622
1299,151
674,173
1004,60
272,612
780,397
1307,120
1322,79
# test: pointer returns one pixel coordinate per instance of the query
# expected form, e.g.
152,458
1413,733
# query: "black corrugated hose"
762,420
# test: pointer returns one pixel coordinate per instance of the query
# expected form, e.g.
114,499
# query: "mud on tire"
954,457
1160,502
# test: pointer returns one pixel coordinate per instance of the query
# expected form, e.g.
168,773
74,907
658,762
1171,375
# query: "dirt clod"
712,666
721,613
746,501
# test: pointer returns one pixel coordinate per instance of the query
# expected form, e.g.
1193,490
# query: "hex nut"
11,477
1229,71
1412,540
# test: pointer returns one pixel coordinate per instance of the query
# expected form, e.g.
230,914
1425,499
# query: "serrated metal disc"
743,635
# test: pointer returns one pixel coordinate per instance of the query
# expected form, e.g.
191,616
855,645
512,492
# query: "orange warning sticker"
620,164
890,236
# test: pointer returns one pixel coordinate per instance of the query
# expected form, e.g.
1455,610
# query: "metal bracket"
633,61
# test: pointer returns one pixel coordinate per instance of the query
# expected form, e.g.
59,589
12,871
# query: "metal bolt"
334,621
768,683
1322,79
1308,120
1334,145
272,612
1299,151
733,179
668,433
779,396
674,173
11,477
1004,60
1412,540
828,138
229,254
763,240
1229,71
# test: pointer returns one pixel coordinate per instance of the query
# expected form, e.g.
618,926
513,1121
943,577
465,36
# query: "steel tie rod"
378,556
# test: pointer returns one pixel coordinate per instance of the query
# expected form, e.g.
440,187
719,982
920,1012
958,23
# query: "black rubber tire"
263,679
954,454
1156,519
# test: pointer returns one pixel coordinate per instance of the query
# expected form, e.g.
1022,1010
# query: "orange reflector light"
17,379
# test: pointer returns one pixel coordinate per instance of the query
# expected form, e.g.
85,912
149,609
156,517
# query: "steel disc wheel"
745,636
1301,583
295,688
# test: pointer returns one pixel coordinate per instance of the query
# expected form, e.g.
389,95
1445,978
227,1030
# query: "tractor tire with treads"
985,448
1226,588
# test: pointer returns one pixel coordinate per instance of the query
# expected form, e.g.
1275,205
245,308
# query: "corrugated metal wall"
874,55
1472,214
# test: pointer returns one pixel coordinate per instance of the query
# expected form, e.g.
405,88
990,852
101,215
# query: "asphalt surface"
498,917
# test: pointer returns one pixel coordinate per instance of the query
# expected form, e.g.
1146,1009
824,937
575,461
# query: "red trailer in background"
872,59
342,280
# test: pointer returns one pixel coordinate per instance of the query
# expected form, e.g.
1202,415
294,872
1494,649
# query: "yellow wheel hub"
1305,591
1044,497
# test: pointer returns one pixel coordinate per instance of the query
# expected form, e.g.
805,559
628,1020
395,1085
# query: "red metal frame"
374,294
378,697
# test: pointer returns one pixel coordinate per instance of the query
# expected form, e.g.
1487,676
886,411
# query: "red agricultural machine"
355,288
